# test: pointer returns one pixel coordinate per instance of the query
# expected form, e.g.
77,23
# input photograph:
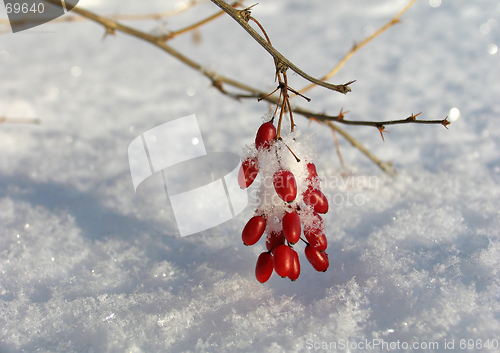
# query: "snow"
280,157
86,265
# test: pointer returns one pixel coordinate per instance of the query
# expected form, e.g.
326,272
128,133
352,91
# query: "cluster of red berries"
293,208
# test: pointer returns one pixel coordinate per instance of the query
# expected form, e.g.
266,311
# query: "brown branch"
285,64
412,119
218,80
337,147
199,23
356,47
155,16
34,121
385,166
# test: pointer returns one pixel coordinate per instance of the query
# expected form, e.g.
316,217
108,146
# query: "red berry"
291,227
317,200
315,234
265,134
264,267
283,260
273,240
318,260
316,238
295,272
311,169
312,177
248,172
253,230
318,220
285,185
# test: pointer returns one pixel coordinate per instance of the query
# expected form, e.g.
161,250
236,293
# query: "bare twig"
356,47
278,57
378,124
199,23
385,166
337,147
218,81
412,119
34,121
156,16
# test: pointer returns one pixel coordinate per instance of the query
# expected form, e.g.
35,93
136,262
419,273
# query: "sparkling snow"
86,265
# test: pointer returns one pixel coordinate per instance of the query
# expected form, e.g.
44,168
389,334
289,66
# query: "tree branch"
217,80
412,119
385,166
284,64
356,47
34,121
199,23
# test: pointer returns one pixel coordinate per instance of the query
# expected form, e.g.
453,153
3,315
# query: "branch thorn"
340,117
298,94
108,31
445,123
311,119
245,13
413,116
381,129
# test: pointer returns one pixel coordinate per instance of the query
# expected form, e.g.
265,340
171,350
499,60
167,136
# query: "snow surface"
88,266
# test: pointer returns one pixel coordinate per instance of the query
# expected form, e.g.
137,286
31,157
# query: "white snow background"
88,266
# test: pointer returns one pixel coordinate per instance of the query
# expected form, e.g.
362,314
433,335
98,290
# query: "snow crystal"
86,265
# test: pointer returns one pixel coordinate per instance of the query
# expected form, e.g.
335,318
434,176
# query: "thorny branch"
4,119
283,101
356,47
380,125
199,23
111,25
242,16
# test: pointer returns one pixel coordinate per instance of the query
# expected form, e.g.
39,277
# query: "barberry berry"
289,203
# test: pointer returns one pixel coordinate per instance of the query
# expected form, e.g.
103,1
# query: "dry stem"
111,26
34,121
282,62
199,23
385,166
356,47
